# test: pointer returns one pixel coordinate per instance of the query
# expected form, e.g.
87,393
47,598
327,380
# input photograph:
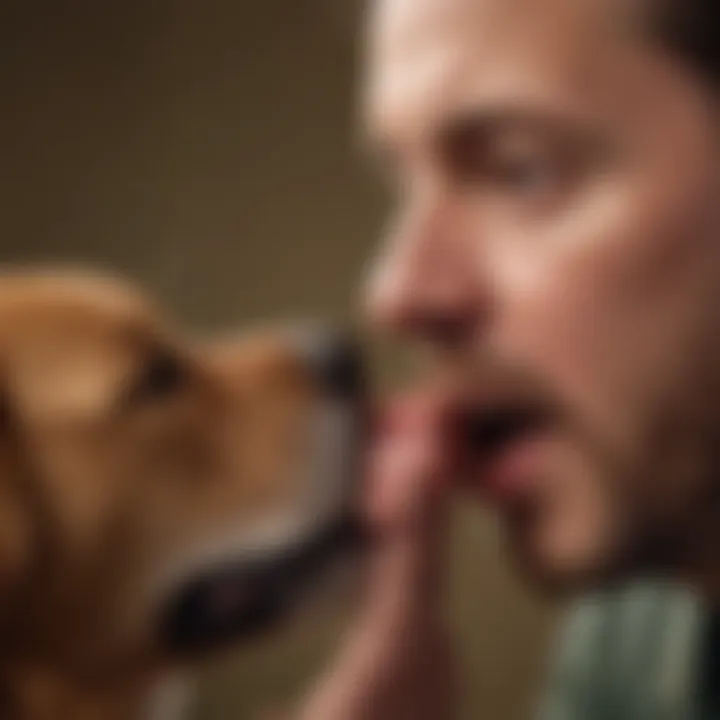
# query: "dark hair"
689,28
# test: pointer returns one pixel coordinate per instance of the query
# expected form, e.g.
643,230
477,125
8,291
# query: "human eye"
524,172
516,163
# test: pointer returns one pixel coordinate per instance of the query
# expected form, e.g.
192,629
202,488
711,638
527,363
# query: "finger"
410,462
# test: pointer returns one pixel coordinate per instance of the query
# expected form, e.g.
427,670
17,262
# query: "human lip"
494,445
504,449
511,473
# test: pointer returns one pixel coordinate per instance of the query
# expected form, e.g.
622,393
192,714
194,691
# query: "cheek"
608,301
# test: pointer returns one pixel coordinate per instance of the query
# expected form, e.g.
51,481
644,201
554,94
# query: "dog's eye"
161,378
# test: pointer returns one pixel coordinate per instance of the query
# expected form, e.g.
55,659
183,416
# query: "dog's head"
157,496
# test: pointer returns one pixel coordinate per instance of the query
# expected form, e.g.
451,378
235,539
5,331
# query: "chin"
574,567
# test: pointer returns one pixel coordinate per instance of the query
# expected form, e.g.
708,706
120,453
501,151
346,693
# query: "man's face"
558,214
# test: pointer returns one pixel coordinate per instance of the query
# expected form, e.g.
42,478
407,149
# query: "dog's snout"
336,362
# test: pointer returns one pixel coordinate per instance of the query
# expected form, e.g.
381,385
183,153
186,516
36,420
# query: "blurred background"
207,149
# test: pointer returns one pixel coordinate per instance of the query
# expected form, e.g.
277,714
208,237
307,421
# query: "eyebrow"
491,121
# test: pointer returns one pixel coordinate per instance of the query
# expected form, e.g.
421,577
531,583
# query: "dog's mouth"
246,598
247,585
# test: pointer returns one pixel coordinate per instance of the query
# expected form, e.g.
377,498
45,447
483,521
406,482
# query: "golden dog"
157,497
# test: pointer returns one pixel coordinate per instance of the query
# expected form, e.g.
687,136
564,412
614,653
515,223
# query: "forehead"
430,57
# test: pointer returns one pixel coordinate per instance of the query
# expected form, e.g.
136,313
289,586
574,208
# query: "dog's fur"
132,461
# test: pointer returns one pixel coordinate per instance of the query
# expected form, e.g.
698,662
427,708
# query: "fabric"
646,652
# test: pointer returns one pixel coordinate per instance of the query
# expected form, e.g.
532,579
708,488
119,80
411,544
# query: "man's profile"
556,165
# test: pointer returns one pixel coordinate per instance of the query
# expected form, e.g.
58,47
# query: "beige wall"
205,147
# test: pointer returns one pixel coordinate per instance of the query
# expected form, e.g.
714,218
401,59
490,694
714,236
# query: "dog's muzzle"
257,584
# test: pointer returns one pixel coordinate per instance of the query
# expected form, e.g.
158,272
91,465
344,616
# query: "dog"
159,498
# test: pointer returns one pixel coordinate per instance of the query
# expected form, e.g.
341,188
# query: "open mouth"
501,442
243,599
490,430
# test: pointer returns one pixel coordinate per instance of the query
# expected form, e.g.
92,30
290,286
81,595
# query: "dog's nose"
336,361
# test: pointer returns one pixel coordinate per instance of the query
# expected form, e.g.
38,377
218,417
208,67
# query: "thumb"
410,465
407,507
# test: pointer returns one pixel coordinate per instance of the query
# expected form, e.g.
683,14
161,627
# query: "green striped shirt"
647,652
